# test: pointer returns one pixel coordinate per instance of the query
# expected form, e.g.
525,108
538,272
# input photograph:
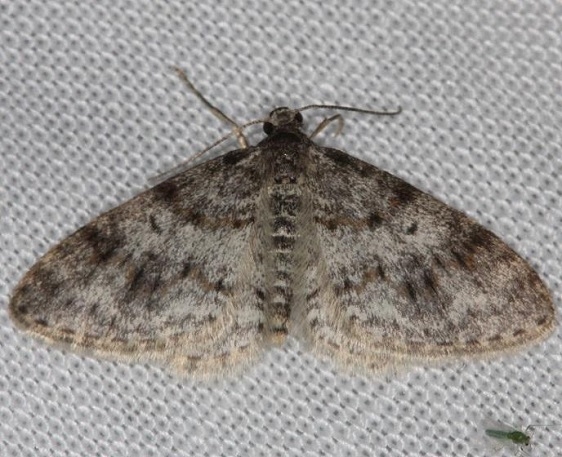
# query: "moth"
210,267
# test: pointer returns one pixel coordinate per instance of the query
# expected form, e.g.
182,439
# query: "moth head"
283,117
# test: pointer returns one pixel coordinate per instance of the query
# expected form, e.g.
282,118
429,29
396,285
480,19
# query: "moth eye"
298,117
268,128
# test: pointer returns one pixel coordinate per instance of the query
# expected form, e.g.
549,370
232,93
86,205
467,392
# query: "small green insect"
515,436
512,437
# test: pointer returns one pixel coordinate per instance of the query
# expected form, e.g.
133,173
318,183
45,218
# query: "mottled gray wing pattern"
167,276
402,278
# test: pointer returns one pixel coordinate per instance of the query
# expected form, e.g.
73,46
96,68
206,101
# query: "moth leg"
236,128
327,121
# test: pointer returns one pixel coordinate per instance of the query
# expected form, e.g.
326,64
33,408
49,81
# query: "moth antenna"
353,109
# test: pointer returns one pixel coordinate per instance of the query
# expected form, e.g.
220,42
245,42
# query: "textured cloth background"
90,109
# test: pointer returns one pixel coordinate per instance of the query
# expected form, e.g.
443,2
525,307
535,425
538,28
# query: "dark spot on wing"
260,294
144,280
375,220
460,258
136,282
312,295
411,290
21,309
404,193
241,223
154,225
186,269
478,237
103,244
413,228
92,310
219,285
167,191
23,290
194,217
155,282
439,262
333,344
46,279
380,272
429,281
542,321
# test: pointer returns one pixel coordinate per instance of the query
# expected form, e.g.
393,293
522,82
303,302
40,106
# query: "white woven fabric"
90,109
